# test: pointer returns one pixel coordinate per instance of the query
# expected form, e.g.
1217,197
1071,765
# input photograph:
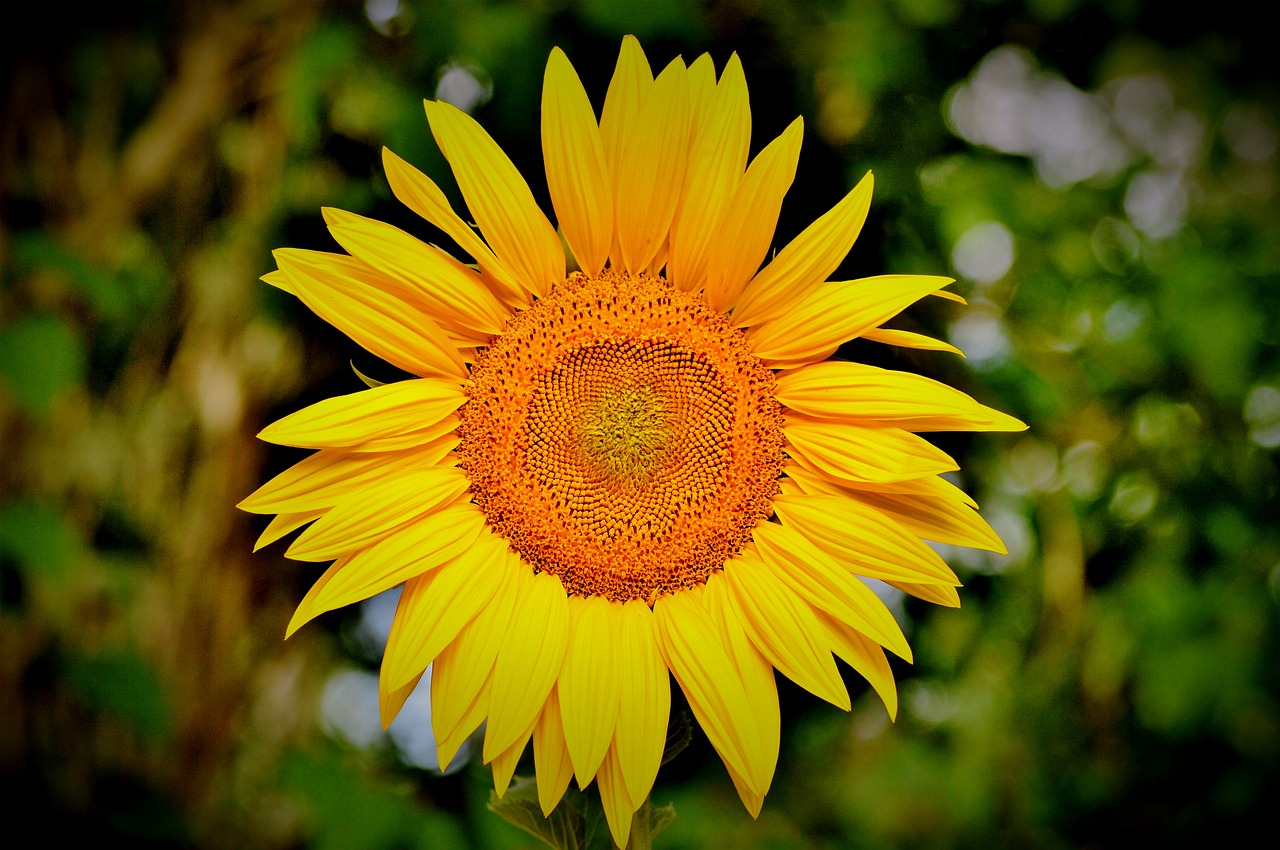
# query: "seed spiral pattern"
621,435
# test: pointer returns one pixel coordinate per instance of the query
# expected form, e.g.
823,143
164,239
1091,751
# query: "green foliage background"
1114,679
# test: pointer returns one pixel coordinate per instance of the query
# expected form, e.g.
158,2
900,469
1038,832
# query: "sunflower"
643,467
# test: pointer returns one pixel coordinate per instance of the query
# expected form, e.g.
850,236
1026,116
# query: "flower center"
622,436
626,432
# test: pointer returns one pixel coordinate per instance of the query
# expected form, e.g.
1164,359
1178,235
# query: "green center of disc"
625,433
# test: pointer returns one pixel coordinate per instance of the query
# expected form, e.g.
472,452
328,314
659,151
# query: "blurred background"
1099,175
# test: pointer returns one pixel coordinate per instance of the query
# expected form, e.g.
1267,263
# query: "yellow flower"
644,467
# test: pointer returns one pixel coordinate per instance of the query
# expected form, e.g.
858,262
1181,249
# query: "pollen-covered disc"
622,436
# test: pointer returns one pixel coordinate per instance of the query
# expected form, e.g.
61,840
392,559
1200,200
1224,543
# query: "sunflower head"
642,469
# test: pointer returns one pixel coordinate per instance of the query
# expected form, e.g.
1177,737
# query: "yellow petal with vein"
300,614
418,547
531,656
285,523
863,539
390,703
454,294
652,168
702,87
908,339
405,409
589,684
504,763
932,508
756,674
864,655
577,174
843,390
499,199
419,193
434,607
784,628
928,487
750,799
938,594
747,230
717,158
645,704
697,656
856,453
620,118
375,310
617,804
331,475
836,312
448,744
460,672
807,261
827,586
552,766
381,507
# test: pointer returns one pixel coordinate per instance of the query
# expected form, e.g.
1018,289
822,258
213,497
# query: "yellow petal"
864,655
504,763
370,418
576,171
285,523
419,193
299,617
645,704
931,508
382,507
756,674
827,586
836,312
857,453
499,199
331,475
453,293
697,657
589,684
908,339
620,119
927,487
530,659
752,800
807,261
785,630
389,704
617,804
717,158
373,309
863,539
448,744
702,88
842,390
434,607
746,232
552,765
648,182
938,594
460,672
418,547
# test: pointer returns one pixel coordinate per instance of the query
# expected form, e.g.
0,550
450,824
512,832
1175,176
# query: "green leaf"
563,829
41,356
39,539
125,686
